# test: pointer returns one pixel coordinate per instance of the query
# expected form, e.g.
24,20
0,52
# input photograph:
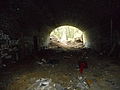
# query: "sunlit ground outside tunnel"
67,37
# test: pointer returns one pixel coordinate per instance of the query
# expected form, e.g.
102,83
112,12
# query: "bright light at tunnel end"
66,33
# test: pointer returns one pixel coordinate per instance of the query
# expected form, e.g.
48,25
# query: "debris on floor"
45,84
61,71
82,84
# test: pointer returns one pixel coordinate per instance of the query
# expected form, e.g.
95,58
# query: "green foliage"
69,32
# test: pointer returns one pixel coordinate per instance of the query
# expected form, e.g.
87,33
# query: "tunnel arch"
44,31
79,35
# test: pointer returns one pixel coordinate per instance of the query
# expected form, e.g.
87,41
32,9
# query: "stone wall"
8,48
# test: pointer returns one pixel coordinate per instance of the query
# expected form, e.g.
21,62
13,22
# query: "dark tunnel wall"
26,19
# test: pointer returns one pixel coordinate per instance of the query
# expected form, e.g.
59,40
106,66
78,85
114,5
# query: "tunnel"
67,37
59,45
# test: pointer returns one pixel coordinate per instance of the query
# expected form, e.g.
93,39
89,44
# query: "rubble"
82,84
45,84
45,74
49,61
54,43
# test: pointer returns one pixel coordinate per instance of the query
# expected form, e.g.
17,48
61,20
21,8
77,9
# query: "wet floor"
103,73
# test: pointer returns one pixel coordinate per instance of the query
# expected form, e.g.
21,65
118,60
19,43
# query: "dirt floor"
103,73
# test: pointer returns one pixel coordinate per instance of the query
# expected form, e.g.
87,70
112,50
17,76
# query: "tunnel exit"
67,37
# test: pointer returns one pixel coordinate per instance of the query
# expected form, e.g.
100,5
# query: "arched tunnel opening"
67,37
59,45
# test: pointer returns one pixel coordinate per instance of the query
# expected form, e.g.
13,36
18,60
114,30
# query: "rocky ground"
103,73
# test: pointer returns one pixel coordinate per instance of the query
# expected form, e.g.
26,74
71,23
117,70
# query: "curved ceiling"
30,15
36,13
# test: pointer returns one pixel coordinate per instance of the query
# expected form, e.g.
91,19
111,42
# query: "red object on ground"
82,65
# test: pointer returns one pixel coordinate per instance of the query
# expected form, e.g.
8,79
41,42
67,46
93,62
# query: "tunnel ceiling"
26,15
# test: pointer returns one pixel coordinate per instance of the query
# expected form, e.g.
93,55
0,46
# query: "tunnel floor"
102,73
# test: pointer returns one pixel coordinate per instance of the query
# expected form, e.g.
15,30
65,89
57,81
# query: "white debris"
82,84
45,84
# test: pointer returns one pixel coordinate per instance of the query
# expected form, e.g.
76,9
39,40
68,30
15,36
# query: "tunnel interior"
59,45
